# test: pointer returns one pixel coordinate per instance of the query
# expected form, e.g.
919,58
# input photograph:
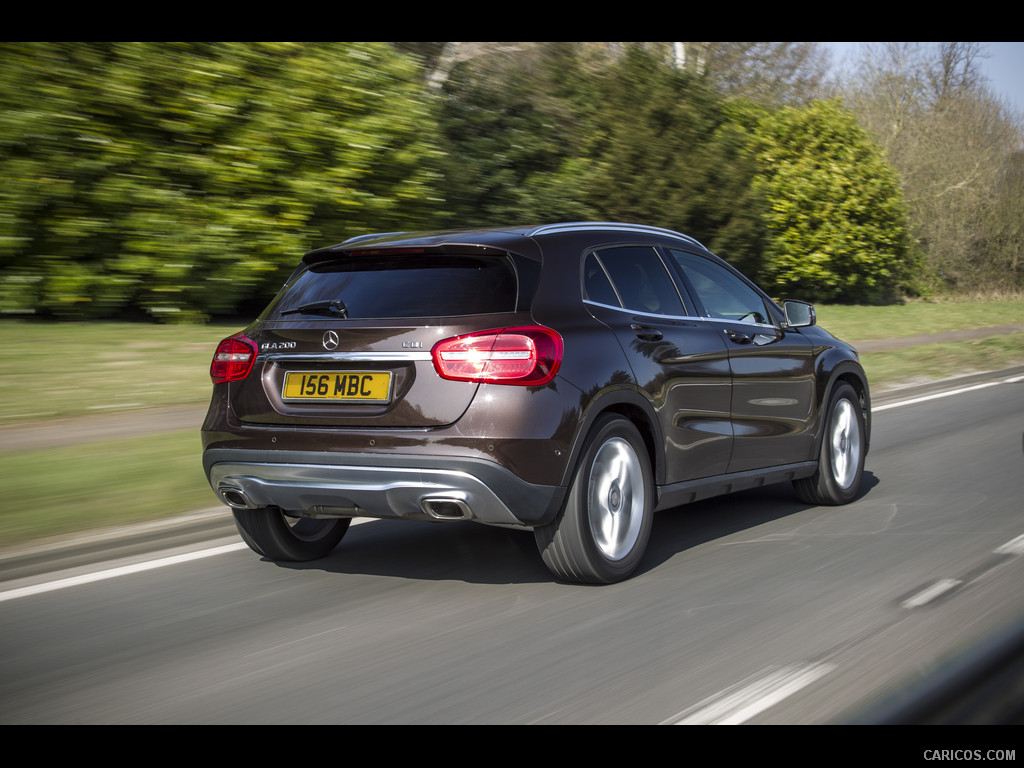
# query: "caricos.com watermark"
970,754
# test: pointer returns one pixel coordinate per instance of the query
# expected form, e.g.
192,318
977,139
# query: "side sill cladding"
690,491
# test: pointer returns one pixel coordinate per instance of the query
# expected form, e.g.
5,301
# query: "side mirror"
799,314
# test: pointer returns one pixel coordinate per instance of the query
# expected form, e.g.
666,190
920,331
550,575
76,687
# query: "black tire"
602,530
269,532
841,458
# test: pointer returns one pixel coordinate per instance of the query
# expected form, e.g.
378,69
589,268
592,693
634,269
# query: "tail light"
233,359
529,356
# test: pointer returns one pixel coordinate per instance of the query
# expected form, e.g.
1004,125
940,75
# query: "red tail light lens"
529,356
233,359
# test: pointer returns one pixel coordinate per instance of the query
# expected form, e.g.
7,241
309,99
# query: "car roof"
521,239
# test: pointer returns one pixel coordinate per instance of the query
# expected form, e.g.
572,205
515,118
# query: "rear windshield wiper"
333,308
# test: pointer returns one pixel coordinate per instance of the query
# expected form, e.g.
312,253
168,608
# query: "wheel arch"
846,372
633,407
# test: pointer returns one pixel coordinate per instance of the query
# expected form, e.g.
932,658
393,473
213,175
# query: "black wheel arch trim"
626,402
851,372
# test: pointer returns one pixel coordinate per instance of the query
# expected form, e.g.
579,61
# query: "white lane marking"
113,573
126,570
1012,547
938,395
737,707
934,592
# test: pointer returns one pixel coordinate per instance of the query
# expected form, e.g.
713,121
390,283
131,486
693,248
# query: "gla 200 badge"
268,345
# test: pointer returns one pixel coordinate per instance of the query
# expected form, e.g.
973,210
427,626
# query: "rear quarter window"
633,277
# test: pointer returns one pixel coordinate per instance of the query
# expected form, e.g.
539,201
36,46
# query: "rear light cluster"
529,356
233,359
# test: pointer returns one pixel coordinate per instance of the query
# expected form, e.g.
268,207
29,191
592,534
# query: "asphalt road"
752,608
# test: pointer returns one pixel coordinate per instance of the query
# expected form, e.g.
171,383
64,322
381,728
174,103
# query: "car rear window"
420,285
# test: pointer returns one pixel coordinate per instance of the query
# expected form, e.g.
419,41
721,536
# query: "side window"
723,294
596,285
639,280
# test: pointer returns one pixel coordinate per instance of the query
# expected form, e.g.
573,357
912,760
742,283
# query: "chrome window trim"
637,313
706,320
355,357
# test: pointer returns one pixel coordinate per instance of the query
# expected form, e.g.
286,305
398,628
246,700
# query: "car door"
772,366
677,358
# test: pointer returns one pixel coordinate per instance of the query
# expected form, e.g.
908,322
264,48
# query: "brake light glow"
233,359
528,355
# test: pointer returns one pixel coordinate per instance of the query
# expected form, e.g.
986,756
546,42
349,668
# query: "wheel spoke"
845,442
616,498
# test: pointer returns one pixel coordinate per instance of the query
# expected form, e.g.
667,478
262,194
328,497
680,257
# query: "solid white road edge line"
113,573
126,570
949,393
937,396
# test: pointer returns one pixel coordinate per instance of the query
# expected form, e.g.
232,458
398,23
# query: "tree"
955,147
512,135
671,152
768,73
836,218
182,179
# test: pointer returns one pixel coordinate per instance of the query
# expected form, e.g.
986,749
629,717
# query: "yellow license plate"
351,386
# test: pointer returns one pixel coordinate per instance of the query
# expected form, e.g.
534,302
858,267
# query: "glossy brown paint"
719,404
773,399
682,368
419,399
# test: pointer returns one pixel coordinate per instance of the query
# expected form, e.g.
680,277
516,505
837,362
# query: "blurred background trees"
958,153
184,180
836,220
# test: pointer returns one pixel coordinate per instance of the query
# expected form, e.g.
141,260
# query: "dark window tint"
723,294
422,285
641,280
596,286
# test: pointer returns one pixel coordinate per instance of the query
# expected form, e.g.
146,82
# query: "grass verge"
915,318
65,490
53,370
911,365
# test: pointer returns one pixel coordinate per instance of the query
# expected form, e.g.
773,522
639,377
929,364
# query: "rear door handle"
646,332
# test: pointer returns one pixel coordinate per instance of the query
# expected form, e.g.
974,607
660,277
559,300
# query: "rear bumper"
329,484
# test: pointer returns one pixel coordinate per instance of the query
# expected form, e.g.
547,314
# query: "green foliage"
671,152
512,139
836,218
184,178
102,483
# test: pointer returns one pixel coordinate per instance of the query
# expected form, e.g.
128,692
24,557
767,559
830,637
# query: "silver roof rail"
576,226
371,236
545,229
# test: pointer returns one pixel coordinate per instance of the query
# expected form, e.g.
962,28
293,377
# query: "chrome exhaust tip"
446,508
234,497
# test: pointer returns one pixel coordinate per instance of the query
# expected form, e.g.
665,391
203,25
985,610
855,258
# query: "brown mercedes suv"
570,379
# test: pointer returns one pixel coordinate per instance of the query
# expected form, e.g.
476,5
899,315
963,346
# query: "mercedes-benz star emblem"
330,340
